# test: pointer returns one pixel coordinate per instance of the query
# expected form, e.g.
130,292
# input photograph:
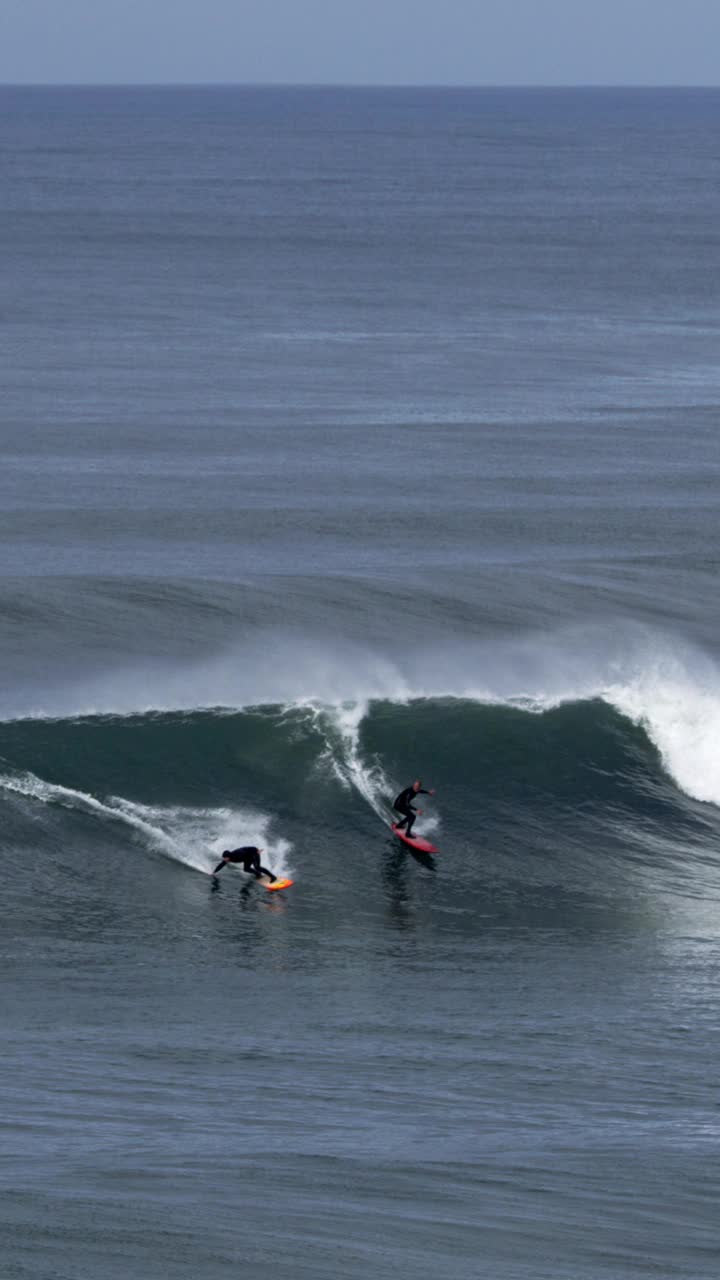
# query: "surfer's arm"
219,867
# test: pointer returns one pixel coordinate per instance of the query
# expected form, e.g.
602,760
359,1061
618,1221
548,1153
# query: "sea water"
349,437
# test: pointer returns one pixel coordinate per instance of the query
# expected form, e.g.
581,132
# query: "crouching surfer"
402,804
248,857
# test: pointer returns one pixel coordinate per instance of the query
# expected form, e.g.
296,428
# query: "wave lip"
681,716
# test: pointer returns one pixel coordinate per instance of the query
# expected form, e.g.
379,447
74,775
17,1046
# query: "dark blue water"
350,437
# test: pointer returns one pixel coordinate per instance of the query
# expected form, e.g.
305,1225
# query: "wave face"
552,757
668,686
633,765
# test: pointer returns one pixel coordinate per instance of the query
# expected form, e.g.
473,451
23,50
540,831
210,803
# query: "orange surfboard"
277,884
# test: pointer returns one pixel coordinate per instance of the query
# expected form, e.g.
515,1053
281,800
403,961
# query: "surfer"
402,805
248,856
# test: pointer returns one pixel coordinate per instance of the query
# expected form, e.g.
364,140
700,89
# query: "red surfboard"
414,842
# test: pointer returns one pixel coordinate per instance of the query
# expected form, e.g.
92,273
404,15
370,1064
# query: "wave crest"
666,687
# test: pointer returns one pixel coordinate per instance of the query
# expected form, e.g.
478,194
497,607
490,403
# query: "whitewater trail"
340,727
193,836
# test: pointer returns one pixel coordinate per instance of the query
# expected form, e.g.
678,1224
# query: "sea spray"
193,836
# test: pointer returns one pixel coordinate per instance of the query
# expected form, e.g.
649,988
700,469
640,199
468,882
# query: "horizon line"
352,84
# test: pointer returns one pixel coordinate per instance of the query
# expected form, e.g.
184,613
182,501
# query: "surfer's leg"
264,871
410,820
251,864
400,825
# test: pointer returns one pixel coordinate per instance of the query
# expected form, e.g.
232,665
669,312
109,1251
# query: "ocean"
353,436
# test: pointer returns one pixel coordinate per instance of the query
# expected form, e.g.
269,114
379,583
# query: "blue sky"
361,41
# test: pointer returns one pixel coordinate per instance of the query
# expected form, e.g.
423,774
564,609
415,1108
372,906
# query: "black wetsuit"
403,805
249,858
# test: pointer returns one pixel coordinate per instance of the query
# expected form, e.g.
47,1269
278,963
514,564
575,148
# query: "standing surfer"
249,858
402,805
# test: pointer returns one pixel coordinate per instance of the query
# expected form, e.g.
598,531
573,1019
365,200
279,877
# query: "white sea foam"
193,836
681,714
345,758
